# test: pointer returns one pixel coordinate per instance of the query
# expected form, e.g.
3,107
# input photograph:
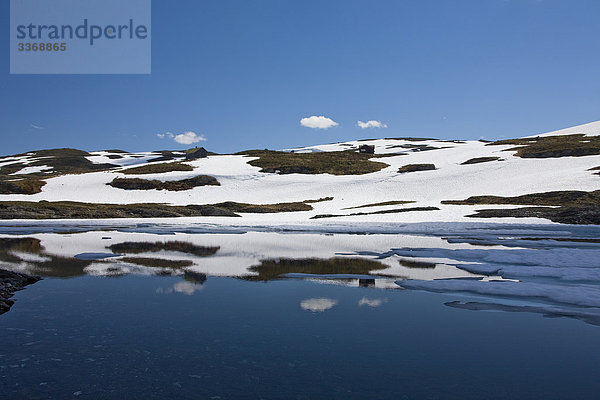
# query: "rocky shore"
10,282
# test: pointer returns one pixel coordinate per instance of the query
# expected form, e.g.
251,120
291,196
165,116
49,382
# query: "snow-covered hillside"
590,129
499,172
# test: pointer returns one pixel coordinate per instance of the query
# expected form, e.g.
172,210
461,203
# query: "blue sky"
244,73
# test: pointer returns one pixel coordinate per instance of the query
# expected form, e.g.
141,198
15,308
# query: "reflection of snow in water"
238,252
318,305
555,265
117,269
29,257
371,302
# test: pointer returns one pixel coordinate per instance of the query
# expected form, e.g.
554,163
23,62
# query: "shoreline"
225,225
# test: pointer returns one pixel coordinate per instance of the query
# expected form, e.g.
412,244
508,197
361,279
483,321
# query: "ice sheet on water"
588,315
552,257
95,256
577,295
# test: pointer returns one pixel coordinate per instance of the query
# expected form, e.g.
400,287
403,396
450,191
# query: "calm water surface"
133,337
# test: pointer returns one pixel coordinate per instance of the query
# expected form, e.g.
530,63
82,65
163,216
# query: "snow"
128,159
589,129
33,170
242,182
13,160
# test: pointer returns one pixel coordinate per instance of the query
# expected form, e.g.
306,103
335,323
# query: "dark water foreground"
488,312
136,337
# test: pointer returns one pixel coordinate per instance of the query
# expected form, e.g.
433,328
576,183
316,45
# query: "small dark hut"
366,149
196,153
366,282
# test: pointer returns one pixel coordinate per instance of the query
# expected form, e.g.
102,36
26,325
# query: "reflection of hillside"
252,256
26,245
194,277
38,262
146,247
405,262
152,262
274,269
27,254
59,267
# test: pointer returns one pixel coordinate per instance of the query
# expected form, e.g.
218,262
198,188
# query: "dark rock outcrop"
144,184
586,215
564,207
479,160
416,168
77,210
10,282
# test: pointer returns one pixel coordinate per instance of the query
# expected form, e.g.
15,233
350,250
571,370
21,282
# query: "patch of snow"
33,170
589,129
13,160
128,159
244,183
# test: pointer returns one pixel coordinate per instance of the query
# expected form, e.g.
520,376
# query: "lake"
149,312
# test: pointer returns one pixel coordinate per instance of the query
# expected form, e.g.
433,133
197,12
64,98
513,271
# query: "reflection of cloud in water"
371,302
318,305
185,287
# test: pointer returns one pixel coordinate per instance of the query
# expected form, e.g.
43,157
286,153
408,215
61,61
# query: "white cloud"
320,122
371,124
183,138
317,305
36,126
189,138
